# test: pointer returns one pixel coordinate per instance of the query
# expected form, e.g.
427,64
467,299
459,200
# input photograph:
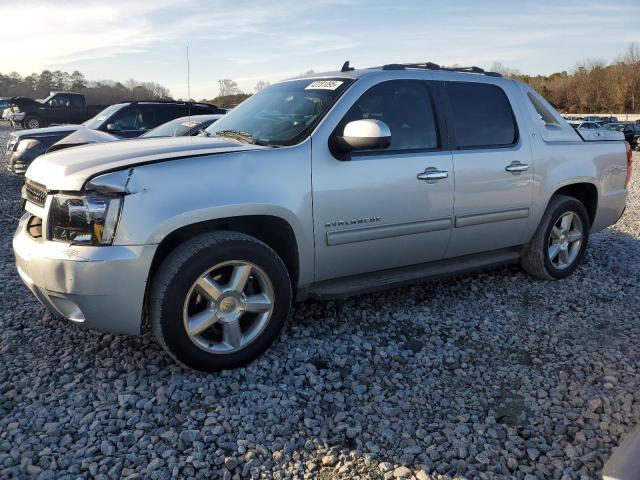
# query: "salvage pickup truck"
59,107
325,185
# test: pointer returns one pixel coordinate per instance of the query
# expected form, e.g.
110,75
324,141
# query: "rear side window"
482,115
170,112
406,107
76,101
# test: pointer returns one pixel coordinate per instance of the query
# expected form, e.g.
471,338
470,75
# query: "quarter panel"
602,164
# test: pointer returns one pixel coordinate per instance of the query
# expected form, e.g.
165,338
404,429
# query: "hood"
43,132
83,136
70,168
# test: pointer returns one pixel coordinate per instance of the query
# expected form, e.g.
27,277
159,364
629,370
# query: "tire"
31,121
212,260
536,259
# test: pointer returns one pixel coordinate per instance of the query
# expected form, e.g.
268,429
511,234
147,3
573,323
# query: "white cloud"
250,41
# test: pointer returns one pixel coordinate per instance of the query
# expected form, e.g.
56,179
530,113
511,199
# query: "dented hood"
70,168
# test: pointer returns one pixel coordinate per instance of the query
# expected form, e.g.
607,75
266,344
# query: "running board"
396,277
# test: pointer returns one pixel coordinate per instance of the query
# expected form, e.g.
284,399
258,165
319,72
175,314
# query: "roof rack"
170,101
435,66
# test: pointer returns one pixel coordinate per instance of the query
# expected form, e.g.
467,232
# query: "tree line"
592,86
102,92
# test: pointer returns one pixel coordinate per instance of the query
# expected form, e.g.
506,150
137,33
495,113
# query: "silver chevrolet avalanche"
321,186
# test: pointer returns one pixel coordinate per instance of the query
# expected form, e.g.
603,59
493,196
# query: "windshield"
174,128
281,114
95,122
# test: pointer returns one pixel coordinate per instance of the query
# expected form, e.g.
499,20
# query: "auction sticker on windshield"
324,85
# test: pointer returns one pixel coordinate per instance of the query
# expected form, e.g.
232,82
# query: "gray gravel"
487,375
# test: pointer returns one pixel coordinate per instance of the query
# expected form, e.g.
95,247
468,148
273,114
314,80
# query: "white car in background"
179,127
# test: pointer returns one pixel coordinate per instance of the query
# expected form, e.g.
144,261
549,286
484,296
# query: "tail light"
629,164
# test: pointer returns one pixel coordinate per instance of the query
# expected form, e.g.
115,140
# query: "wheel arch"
274,231
585,192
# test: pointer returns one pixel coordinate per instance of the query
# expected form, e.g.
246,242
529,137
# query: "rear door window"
482,115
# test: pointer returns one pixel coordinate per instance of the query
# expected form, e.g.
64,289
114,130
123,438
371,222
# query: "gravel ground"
489,375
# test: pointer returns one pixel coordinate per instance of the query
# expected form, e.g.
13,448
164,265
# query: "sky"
249,41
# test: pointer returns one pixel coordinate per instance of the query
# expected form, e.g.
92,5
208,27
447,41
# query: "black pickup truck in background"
57,108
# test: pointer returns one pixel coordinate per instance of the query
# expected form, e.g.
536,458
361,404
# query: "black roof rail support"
346,67
394,66
435,66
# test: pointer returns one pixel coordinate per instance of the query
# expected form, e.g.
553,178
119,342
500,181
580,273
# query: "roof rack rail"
435,66
169,101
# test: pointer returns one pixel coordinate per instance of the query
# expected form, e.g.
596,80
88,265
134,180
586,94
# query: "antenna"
188,86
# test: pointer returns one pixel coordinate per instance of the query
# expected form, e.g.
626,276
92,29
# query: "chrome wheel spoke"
566,221
200,322
231,333
209,288
258,303
239,277
554,250
555,233
574,236
564,255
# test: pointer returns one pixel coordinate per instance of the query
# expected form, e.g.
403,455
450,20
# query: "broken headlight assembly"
89,219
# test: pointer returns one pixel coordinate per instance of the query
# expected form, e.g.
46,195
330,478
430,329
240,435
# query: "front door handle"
432,174
517,167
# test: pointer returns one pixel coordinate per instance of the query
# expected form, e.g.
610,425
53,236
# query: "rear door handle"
432,175
517,167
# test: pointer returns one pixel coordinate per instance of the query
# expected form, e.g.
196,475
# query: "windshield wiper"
236,135
243,137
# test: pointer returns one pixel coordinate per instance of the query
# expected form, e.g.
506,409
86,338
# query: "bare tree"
261,85
227,87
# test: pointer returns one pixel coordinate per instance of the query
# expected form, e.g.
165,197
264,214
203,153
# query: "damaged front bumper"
102,288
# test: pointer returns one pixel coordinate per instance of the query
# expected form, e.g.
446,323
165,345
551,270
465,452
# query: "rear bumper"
101,288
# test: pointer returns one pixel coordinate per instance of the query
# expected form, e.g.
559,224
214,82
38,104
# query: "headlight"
26,144
89,219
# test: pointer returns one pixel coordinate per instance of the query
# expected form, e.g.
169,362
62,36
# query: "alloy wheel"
228,306
565,240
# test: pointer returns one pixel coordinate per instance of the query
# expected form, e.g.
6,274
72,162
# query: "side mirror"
113,127
364,135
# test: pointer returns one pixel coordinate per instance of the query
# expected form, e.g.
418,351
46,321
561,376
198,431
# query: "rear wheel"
219,301
557,248
31,122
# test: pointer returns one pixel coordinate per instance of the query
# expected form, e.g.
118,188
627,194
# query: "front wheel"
219,301
557,248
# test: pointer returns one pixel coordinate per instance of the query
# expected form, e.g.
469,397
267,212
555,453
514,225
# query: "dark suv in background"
126,120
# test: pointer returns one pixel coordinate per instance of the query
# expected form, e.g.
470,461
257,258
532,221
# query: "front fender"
167,196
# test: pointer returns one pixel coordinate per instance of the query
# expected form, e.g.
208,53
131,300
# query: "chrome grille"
35,193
